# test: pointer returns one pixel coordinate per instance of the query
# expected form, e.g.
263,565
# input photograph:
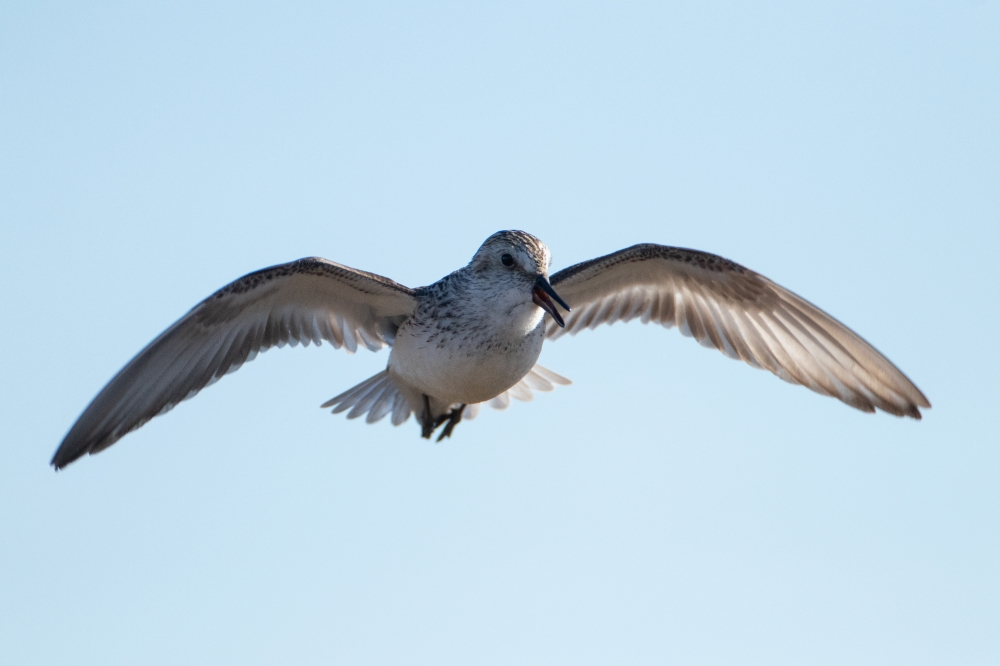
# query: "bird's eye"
506,260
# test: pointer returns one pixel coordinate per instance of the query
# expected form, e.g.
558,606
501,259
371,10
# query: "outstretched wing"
305,301
743,314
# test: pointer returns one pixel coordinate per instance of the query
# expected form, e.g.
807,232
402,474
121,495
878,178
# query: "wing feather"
305,301
739,312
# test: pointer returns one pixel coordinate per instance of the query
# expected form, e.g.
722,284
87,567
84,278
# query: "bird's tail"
379,396
537,379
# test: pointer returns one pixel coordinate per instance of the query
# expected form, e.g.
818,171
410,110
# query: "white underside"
452,373
379,396
427,368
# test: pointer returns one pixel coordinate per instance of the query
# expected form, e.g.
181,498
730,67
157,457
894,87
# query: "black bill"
545,297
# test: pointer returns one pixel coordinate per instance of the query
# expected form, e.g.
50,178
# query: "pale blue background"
671,506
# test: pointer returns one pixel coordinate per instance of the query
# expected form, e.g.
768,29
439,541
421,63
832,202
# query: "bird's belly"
463,374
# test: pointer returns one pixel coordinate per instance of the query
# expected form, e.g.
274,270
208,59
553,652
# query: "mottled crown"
533,247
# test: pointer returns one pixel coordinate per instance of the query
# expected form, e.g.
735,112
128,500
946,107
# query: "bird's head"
518,263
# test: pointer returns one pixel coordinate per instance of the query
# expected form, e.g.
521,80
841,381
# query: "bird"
474,336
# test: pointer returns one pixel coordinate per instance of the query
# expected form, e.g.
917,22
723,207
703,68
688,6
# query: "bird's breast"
464,362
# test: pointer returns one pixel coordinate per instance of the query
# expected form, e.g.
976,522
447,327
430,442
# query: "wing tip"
61,458
72,449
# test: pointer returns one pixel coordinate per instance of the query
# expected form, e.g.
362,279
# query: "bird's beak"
543,296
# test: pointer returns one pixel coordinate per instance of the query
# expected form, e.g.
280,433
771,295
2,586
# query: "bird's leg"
428,424
453,419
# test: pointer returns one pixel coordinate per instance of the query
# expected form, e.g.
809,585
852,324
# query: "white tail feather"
378,396
537,379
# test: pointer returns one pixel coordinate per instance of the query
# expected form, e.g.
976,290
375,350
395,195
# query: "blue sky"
672,505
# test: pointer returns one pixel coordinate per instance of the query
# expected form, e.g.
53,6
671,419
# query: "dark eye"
506,260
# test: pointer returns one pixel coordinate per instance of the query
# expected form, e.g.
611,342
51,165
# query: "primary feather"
305,301
739,312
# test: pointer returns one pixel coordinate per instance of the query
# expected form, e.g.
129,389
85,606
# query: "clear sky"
672,505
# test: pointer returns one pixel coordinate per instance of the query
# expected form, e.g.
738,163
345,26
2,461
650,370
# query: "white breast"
467,362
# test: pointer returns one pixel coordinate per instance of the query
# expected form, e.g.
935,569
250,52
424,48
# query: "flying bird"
474,336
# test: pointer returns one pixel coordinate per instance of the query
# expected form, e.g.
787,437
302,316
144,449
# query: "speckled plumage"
474,336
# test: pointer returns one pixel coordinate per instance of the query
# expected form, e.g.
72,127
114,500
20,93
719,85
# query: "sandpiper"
474,336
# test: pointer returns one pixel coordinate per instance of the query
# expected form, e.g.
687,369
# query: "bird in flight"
474,336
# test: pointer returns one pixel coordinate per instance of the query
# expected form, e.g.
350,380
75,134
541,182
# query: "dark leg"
428,424
453,419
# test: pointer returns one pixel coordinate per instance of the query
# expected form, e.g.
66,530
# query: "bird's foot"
453,419
429,424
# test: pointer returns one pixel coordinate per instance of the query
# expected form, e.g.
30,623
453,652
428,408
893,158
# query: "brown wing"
305,301
742,313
